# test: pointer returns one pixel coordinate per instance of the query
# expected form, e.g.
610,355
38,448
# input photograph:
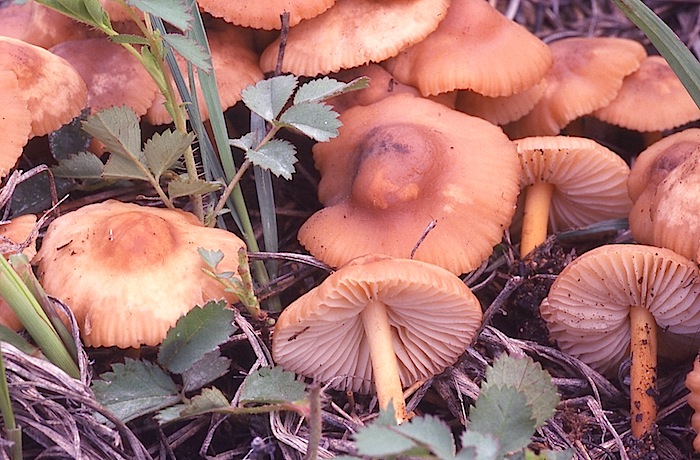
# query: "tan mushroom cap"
474,48
130,272
590,181
586,75
692,382
369,31
117,11
587,309
114,77
15,120
401,163
651,99
235,66
433,318
264,15
54,91
39,25
500,110
13,234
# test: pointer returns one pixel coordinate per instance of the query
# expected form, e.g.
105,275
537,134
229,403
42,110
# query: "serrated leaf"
315,120
209,368
170,414
431,433
567,454
272,385
211,258
268,97
118,129
81,10
197,333
135,388
175,12
211,399
320,89
163,150
84,165
123,168
96,11
190,50
244,142
504,413
179,187
278,156
478,446
70,138
383,441
526,376
128,38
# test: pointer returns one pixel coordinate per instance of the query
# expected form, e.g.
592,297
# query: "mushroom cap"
587,309
117,78
476,48
590,181
401,163
130,272
692,382
14,114
52,88
369,31
586,74
264,15
15,232
433,315
651,99
499,110
39,25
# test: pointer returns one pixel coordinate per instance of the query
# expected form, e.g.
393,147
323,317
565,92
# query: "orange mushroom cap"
15,120
476,48
264,15
499,110
401,163
14,233
130,272
354,32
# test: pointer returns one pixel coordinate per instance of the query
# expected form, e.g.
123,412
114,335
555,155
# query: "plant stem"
13,433
538,198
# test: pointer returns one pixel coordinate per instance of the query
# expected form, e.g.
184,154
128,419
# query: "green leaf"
278,156
268,97
83,165
123,168
431,433
478,446
211,399
163,150
175,12
197,333
184,187
272,385
244,143
679,57
190,50
135,388
70,138
170,414
87,11
320,89
211,258
528,377
128,38
504,413
383,441
118,129
209,368
315,120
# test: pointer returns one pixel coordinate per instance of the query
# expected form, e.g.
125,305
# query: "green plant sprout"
13,433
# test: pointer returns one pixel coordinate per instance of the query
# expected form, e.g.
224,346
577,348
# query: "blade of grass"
679,57
13,433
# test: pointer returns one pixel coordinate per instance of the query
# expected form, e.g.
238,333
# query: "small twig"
511,285
314,422
284,34
427,230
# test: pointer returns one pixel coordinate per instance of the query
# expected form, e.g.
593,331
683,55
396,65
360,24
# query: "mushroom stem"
538,198
643,371
384,363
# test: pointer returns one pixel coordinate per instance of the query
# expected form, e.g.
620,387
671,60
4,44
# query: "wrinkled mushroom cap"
130,272
13,234
432,313
587,309
369,31
264,15
590,181
401,163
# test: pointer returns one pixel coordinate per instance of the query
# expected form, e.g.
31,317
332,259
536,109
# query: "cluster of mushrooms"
456,140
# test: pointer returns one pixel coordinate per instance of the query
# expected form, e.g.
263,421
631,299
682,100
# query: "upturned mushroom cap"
129,272
401,163
264,15
476,48
433,318
369,31
51,87
586,74
13,234
587,309
14,114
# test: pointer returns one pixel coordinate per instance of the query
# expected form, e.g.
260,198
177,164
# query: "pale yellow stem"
538,198
384,362
643,371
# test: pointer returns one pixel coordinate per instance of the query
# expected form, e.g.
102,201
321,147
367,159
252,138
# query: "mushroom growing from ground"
402,164
378,322
614,302
129,272
692,382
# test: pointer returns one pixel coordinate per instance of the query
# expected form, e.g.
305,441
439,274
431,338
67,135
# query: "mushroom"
14,235
15,114
692,382
569,182
380,322
477,48
129,272
400,164
367,29
499,110
264,15
614,302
